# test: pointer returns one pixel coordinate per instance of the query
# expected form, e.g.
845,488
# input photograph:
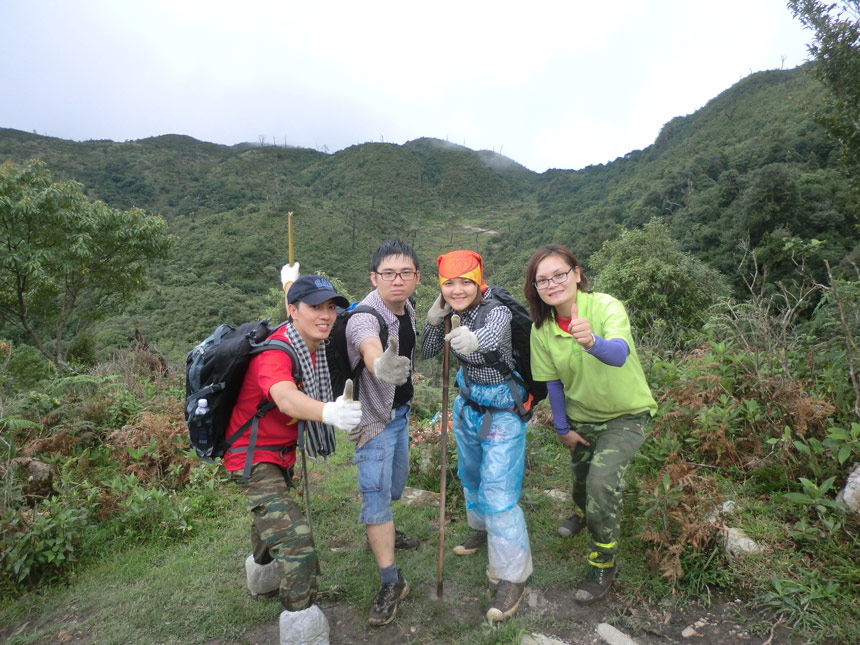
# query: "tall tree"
66,261
835,50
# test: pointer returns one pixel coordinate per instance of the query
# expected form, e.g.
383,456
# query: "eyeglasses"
558,278
389,276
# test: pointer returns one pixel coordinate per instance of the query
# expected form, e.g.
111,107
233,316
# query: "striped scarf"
317,385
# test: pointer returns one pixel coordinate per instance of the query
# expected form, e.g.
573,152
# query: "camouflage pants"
597,472
280,532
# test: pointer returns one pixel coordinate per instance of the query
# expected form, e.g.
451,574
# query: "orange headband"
462,264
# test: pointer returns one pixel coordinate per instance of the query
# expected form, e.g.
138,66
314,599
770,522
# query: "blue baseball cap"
314,290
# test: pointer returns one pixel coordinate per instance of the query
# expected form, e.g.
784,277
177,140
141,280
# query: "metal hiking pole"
455,321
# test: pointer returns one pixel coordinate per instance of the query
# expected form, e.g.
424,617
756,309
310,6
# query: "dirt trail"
720,624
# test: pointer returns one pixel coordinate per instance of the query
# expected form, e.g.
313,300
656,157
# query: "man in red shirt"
283,556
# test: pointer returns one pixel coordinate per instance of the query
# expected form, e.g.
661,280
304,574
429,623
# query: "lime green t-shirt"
594,392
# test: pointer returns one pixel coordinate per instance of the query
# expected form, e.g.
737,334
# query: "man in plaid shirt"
385,390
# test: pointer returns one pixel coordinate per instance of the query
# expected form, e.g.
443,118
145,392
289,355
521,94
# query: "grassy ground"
193,590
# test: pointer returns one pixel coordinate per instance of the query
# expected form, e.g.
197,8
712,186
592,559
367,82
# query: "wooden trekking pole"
455,321
307,492
290,234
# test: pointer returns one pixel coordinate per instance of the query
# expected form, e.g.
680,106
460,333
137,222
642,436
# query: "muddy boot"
597,581
508,597
572,525
385,604
403,542
263,579
306,627
472,543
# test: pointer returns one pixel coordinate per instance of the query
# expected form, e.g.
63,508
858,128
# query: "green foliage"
655,279
68,259
40,545
149,511
26,368
836,52
804,602
123,407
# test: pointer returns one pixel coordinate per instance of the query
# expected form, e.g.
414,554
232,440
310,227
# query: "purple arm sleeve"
555,392
612,352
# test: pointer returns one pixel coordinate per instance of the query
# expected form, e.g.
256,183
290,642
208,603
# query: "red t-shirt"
563,323
275,428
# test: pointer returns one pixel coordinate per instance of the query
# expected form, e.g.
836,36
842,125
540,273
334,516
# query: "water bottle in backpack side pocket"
203,423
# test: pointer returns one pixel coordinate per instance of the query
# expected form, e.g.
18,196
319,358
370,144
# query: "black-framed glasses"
389,276
558,278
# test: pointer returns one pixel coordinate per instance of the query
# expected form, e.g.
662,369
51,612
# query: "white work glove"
343,412
289,273
392,368
438,311
463,340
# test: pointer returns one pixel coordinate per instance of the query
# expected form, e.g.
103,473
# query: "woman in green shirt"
581,345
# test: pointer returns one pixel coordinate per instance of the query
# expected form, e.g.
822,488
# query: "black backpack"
215,370
336,348
521,329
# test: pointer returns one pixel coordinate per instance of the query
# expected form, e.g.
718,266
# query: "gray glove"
392,368
438,311
463,340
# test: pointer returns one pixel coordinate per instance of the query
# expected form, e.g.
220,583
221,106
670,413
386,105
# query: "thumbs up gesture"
392,368
580,329
463,340
343,413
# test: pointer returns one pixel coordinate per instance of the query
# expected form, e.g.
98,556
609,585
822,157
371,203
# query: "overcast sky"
549,84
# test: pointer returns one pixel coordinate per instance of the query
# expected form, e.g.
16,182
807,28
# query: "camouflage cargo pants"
597,472
280,532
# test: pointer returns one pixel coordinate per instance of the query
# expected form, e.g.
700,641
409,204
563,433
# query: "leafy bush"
26,369
646,269
42,544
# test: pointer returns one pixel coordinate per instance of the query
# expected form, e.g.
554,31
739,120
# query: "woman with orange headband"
491,437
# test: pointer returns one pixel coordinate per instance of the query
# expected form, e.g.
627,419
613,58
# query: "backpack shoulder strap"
383,338
494,359
383,326
270,344
283,346
484,309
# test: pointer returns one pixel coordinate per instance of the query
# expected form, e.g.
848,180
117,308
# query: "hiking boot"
472,543
386,601
571,526
596,584
306,627
402,542
508,597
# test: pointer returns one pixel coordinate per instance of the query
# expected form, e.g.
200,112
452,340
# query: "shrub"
42,544
655,279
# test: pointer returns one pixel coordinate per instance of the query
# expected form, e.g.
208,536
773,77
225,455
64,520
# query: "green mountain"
749,163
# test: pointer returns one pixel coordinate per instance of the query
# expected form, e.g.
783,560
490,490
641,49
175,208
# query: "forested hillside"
751,163
732,241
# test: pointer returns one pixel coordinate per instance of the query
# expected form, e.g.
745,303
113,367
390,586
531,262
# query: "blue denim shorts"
383,465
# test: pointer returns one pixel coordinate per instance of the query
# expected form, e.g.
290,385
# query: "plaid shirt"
377,397
494,335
